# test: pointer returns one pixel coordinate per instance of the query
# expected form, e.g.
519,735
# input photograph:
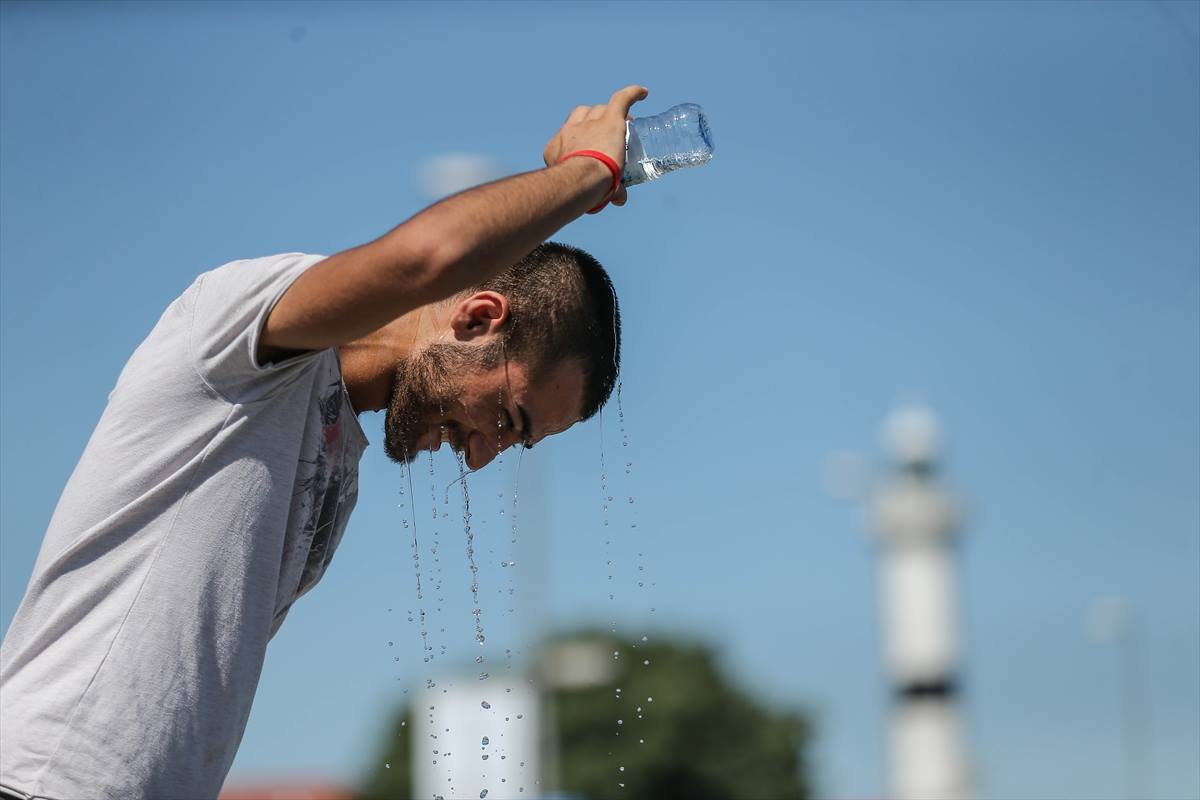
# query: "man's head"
535,349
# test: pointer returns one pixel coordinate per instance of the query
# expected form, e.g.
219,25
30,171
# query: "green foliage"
392,778
700,738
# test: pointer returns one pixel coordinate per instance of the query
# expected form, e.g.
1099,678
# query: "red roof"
285,790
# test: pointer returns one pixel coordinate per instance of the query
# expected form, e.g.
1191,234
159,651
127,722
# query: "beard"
426,385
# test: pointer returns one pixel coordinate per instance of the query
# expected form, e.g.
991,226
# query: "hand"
597,128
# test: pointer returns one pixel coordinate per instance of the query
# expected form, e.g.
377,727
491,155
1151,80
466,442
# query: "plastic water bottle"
676,138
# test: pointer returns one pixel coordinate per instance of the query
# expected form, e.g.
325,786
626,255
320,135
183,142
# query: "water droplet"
641,741
485,704
649,699
622,769
485,756
620,722
646,663
387,765
520,716
483,794
643,638
618,691
391,644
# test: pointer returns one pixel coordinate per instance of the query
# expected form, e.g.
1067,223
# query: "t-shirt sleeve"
231,304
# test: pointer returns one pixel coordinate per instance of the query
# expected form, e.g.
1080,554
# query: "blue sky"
991,208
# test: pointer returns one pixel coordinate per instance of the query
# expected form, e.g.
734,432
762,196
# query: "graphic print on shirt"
326,486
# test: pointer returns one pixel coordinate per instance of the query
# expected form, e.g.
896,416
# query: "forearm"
479,232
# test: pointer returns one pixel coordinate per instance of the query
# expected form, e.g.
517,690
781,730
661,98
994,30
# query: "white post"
916,521
479,735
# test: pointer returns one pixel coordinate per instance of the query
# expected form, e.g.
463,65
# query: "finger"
623,99
578,114
597,112
620,197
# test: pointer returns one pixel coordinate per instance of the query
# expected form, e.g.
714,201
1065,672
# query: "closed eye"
526,428
508,419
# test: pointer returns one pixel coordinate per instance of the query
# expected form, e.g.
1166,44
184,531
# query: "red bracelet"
606,160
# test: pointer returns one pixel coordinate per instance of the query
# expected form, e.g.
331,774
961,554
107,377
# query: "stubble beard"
424,389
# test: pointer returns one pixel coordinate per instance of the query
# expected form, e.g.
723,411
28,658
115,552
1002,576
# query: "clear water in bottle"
679,137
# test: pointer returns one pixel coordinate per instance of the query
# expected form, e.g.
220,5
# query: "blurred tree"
696,736
392,778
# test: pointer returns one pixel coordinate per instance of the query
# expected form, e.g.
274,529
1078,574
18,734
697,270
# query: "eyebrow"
526,427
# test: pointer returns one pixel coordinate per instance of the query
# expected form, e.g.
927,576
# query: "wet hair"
562,306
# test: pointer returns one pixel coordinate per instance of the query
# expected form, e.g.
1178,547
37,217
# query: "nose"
489,448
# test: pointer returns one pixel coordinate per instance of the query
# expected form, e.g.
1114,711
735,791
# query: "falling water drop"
416,551
462,477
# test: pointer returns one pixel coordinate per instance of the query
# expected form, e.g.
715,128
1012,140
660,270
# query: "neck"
369,363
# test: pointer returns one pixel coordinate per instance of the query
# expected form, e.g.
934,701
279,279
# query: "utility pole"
916,521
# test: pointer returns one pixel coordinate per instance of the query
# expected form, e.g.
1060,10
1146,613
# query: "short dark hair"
562,306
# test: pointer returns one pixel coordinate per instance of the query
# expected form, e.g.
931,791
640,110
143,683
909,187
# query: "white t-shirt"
211,495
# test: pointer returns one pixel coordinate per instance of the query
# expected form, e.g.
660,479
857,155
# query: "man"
218,482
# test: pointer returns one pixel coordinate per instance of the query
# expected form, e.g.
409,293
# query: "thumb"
623,99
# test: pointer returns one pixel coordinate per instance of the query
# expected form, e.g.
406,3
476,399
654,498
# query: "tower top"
911,436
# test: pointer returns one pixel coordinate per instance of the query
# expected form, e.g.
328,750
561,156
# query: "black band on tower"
943,689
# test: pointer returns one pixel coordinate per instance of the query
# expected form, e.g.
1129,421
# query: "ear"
481,314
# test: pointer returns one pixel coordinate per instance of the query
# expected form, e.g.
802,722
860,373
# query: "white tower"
916,522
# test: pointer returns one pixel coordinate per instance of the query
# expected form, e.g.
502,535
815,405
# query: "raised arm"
454,244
